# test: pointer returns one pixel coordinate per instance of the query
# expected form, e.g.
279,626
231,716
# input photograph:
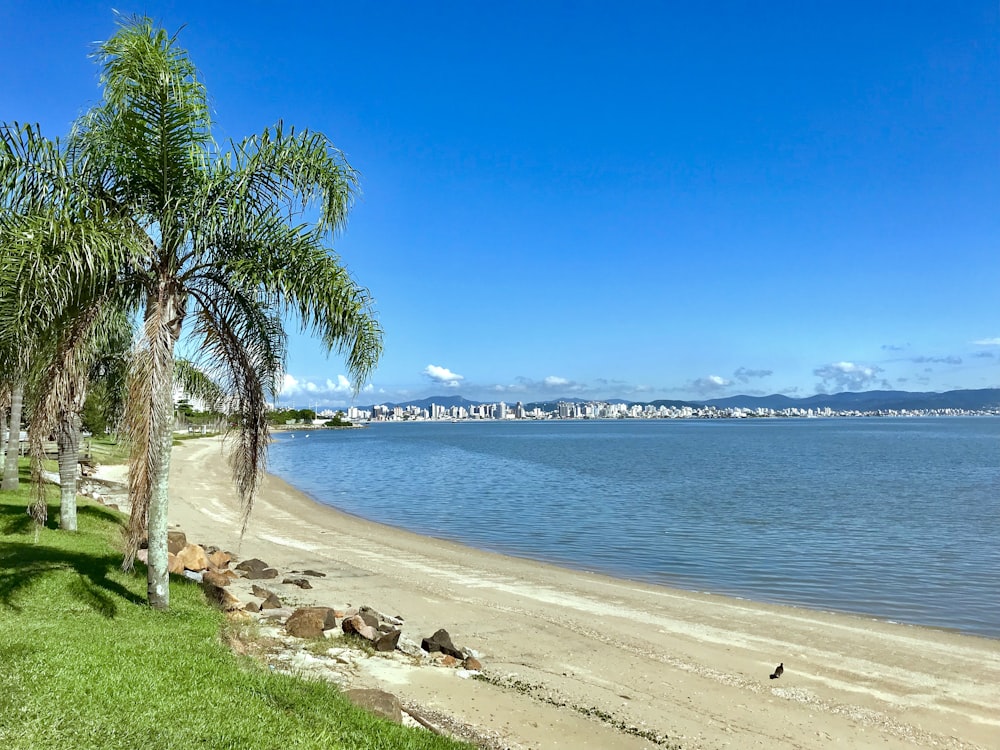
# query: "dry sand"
687,666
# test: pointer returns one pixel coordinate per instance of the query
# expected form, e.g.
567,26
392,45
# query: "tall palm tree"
221,247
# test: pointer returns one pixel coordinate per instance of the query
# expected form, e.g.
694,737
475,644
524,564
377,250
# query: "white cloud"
846,376
988,342
292,386
710,384
553,381
443,376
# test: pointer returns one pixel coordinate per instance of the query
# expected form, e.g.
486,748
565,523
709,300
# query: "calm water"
896,518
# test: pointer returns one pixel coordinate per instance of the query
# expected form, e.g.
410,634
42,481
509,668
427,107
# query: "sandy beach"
688,666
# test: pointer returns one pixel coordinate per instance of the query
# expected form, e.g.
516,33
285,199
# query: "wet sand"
691,667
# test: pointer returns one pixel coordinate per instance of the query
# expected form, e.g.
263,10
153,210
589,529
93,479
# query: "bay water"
897,518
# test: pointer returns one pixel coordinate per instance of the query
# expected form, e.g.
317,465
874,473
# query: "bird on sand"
778,671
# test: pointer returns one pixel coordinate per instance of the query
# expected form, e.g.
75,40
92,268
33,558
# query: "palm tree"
213,251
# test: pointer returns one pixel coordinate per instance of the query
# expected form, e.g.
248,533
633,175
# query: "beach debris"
778,671
302,583
441,642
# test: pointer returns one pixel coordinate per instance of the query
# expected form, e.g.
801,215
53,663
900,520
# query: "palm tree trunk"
68,438
161,437
10,478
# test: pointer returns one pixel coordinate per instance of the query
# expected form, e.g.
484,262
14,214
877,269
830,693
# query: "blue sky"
617,200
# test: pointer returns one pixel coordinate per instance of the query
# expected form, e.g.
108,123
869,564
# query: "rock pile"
210,566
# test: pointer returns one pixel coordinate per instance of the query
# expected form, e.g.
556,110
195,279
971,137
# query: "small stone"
259,591
302,583
271,602
256,575
449,660
252,607
313,573
472,664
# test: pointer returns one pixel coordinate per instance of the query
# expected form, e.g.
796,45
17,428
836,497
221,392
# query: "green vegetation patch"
87,664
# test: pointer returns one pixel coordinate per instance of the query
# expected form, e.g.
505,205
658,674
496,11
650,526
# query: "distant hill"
869,400
983,398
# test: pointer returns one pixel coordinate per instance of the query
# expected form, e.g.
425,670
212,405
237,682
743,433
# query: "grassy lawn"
84,663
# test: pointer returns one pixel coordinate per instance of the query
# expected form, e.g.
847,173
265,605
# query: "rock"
252,607
302,583
174,565
325,613
193,557
357,625
216,579
472,664
449,660
313,573
176,541
252,564
219,559
260,592
220,597
369,617
441,641
382,617
256,575
271,602
305,623
387,641
411,648
378,702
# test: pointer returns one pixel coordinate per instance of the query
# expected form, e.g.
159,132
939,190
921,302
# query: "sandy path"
689,666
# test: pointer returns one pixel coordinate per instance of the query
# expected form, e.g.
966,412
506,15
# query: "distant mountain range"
982,398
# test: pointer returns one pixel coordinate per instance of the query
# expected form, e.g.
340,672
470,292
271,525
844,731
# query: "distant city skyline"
640,201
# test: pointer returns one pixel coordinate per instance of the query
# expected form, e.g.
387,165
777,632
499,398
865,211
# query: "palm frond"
244,345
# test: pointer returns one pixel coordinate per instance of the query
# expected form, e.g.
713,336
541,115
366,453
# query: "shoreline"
691,666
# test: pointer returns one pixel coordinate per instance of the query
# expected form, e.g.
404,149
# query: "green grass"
105,449
84,663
